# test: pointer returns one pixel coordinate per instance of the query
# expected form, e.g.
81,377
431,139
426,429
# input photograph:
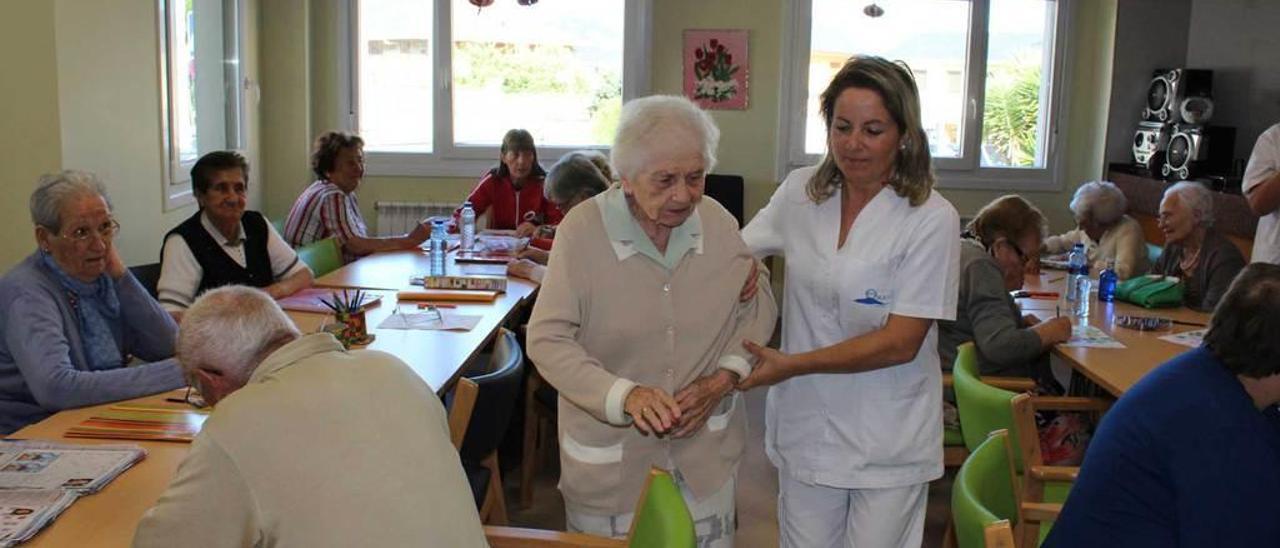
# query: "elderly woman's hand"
525,229
701,397
526,269
772,367
115,266
653,410
534,254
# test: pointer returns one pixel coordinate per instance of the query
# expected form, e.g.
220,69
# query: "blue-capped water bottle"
1077,267
437,247
1107,282
468,226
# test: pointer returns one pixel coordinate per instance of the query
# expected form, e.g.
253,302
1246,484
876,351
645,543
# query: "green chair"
323,256
984,497
279,224
1153,253
984,409
661,520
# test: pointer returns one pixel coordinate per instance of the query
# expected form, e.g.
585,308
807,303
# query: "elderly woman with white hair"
1203,258
575,178
1105,230
75,317
640,327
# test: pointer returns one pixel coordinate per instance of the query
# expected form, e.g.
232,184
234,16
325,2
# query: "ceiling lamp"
872,10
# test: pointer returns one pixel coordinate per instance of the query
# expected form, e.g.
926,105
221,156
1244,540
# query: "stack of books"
128,421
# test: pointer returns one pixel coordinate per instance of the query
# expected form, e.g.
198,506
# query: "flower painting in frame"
716,68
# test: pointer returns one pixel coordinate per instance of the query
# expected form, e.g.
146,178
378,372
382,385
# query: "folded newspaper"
38,480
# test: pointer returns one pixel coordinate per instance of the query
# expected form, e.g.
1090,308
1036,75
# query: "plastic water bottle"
437,247
1077,267
468,226
1107,282
1080,307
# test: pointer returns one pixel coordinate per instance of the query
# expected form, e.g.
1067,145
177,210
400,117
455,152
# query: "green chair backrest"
1153,254
662,519
279,224
323,256
983,492
983,408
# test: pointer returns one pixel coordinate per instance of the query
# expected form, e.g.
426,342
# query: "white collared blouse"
874,429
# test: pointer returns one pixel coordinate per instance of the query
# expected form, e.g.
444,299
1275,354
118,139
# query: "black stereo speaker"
1197,151
1168,89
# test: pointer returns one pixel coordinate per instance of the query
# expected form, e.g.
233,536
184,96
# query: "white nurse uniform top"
877,429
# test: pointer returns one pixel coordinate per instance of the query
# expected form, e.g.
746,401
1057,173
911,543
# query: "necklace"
1188,262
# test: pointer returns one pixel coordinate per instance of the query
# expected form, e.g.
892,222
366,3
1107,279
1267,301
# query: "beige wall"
88,97
29,143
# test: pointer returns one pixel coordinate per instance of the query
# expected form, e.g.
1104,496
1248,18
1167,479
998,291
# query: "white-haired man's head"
226,333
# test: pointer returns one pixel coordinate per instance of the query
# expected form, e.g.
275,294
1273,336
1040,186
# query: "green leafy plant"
1013,112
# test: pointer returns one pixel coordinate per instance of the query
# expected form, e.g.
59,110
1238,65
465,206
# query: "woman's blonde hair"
912,176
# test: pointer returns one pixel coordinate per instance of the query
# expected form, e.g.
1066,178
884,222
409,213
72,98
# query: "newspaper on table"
49,465
38,480
23,512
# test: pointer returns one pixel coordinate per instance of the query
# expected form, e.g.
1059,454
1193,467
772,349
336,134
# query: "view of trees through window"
932,37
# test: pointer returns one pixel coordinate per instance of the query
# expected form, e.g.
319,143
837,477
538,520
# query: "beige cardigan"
1124,242
322,447
606,319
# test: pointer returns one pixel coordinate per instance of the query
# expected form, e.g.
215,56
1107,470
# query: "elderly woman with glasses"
1202,257
1104,229
75,317
640,326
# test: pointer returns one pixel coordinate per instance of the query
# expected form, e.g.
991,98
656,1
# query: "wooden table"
1113,369
109,517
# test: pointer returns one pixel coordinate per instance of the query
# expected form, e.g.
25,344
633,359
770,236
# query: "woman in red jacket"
511,192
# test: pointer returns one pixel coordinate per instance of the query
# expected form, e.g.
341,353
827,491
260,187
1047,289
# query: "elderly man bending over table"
640,327
223,244
74,316
310,445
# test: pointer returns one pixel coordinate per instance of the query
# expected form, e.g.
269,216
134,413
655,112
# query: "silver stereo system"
1195,150
1149,144
1168,89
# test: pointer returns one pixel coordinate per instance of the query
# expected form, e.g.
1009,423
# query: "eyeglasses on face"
81,235
1022,257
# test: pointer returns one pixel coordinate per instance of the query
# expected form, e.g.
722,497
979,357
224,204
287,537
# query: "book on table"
309,300
126,421
464,282
459,295
39,479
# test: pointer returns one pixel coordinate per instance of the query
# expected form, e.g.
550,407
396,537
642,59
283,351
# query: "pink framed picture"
716,68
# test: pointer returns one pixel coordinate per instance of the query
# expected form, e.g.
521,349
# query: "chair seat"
951,435
478,478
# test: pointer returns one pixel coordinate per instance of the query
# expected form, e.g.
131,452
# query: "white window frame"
964,172
448,159
175,179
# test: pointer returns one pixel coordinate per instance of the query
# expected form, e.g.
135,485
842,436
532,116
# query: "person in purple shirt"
74,317
1190,456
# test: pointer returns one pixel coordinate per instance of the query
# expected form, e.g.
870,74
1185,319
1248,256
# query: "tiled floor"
757,494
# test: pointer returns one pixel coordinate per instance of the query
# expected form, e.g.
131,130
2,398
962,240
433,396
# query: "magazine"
24,512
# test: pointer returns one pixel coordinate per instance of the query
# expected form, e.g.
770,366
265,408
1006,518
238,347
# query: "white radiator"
396,218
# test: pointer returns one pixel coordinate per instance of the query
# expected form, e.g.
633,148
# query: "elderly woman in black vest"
223,244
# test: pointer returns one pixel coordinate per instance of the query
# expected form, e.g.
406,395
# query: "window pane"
554,68
395,75
183,70
1019,58
931,36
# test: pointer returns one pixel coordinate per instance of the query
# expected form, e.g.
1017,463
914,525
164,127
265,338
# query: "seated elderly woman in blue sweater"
74,315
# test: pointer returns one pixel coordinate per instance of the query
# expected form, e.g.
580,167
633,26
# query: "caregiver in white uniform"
854,415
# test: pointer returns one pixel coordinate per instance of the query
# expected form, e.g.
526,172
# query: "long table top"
109,517
1113,369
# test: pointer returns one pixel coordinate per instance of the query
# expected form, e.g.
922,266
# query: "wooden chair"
465,392
985,498
499,385
322,256
539,430
661,520
953,448
985,408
